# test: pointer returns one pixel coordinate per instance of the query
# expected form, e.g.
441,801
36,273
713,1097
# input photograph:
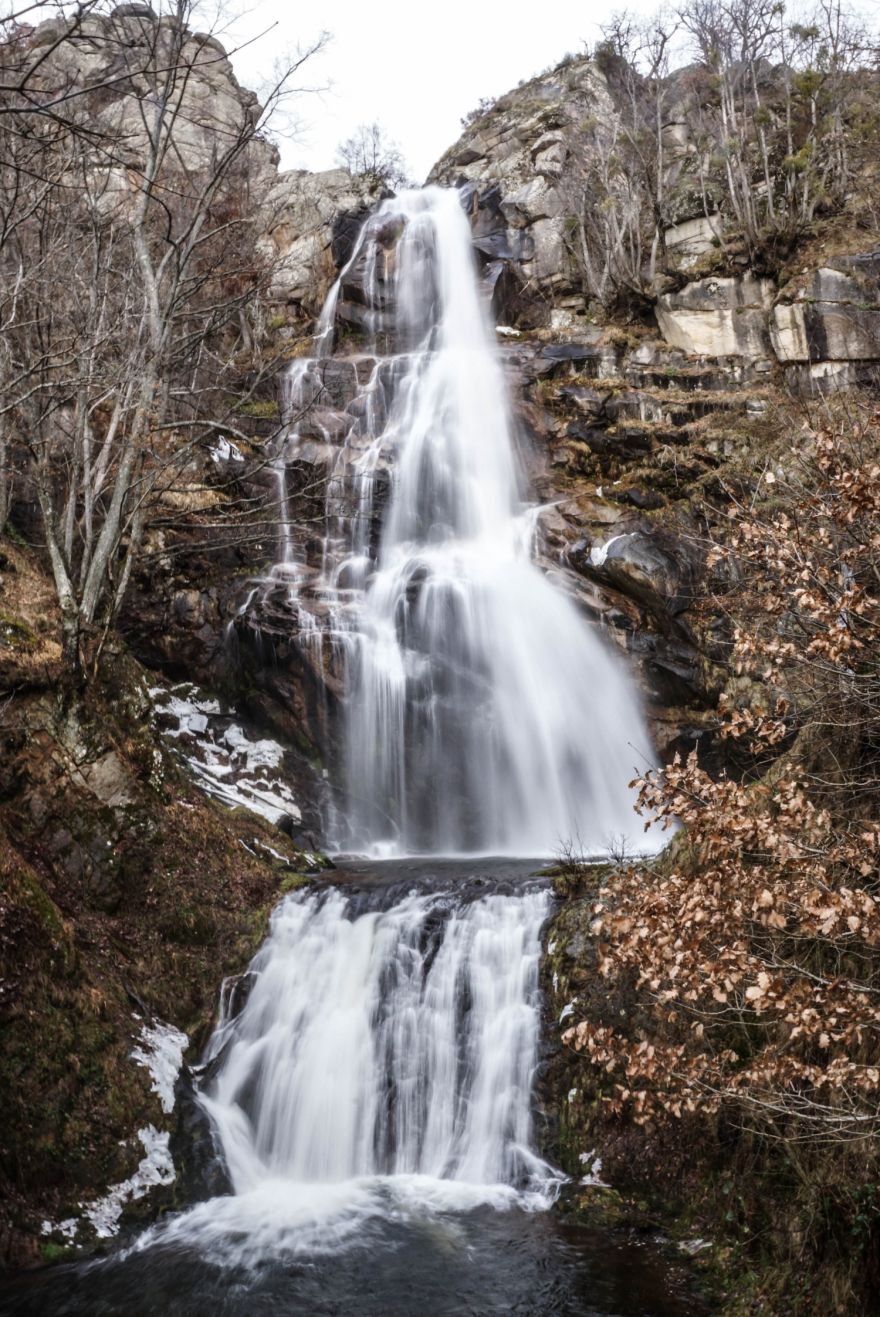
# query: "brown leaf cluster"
754,954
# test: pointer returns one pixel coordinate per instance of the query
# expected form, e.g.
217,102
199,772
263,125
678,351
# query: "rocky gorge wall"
517,164
635,429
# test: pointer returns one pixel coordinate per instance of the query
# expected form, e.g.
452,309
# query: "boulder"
512,161
690,239
311,224
654,568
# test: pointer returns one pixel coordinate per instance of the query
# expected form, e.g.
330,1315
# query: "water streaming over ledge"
484,714
381,1065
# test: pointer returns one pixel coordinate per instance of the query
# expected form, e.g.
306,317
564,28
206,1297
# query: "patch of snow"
161,1050
303,860
255,754
226,763
66,1229
183,709
694,1246
225,451
566,1011
156,1167
594,1168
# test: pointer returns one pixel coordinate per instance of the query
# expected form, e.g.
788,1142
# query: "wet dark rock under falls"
370,1086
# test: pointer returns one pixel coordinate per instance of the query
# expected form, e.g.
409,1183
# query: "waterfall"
369,1082
382,1064
484,713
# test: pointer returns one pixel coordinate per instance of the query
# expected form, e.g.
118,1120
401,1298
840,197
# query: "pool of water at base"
483,1263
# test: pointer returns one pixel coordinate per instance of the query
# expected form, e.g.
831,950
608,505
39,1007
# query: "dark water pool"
481,1264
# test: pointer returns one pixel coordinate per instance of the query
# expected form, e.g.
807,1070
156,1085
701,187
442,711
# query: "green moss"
293,882
15,634
261,411
187,926
56,1252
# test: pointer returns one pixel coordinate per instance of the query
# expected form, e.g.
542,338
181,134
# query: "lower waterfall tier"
387,1042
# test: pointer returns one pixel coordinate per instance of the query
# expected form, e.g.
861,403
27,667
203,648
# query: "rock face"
832,316
620,430
512,162
302,217
311,222
718,317
124,55
827,325
523,164
130,40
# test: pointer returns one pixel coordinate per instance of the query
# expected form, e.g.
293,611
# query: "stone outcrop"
112,51
311,223
304,219
117,58
831,316
513,162
822,328
718,317
522,164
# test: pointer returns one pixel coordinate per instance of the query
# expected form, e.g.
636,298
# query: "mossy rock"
15,634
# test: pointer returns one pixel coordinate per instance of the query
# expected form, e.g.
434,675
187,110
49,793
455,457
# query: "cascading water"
382,1064
484,714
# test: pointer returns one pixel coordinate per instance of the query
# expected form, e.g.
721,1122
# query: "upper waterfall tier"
483,712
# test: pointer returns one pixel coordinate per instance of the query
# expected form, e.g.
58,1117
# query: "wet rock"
339,383
653,568
346,227
576,352
587,401
647,500
312,224
200,1170
672,667
620,442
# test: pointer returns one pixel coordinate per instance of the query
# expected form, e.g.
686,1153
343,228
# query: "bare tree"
780,88
129,264
372,155
615,185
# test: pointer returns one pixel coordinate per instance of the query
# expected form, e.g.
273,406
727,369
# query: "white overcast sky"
414,67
